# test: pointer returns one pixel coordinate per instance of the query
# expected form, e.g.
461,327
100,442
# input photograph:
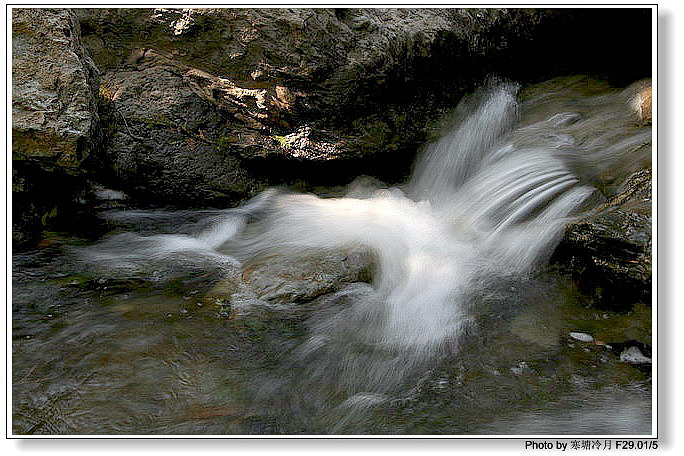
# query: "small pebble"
582,337
520,369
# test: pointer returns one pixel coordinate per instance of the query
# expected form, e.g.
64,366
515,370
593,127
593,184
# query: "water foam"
489,199
476,205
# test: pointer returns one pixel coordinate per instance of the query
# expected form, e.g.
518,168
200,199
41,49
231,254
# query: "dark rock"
329,93
609,251
171,144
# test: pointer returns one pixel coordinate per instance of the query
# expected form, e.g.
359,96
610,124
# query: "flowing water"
459,328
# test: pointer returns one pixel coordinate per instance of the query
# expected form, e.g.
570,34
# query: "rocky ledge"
609,252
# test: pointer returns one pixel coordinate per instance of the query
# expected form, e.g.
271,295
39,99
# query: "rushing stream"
452,324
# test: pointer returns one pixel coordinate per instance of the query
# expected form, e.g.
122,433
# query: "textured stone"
277,281
54,89
54,117
609,251
282,280
642,105
292,87
318,94
170,141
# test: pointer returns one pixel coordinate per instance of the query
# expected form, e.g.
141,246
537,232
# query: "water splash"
489,199
476,205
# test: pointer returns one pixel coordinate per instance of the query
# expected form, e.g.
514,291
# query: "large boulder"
608,251
207,106
276,281
314,94
170,141
54,89
54,113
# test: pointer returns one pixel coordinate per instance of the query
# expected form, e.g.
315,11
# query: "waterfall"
475,205
489,199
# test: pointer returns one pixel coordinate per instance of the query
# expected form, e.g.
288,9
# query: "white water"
489,199
476,206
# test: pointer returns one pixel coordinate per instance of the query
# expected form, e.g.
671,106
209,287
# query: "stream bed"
92,356
457,328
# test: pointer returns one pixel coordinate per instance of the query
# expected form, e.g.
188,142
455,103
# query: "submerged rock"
285,280
278,282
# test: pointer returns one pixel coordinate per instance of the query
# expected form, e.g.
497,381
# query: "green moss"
224,141
282,140
157,121
48,215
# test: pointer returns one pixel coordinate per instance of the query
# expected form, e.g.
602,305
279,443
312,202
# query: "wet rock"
582,337
632,352
107,198
633,355
284,280
107,194
538,328
609,252
277,282
54,116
